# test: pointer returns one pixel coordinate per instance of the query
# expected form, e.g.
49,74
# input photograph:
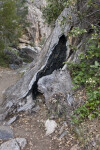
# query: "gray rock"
13,119
28,52
6,132
58,82
26,107
63,134
14,60
22,142
10,145
36,109
14,144
14,66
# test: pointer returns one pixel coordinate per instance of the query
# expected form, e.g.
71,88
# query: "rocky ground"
31,126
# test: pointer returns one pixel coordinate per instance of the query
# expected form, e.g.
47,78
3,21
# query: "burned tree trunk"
55,61
49,66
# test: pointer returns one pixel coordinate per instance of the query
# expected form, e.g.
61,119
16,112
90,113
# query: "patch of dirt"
32,128
8,77
88,135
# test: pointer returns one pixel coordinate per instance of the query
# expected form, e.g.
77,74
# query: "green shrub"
87,74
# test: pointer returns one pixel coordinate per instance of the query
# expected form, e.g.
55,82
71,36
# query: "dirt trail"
8,77
31,127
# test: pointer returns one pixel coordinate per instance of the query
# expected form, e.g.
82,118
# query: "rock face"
56,51
38,30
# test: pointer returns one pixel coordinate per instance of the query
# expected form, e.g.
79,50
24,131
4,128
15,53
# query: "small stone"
6,132
36,109
63,134
12,120
50,126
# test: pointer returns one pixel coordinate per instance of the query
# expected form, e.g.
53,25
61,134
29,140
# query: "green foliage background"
12,22
86,75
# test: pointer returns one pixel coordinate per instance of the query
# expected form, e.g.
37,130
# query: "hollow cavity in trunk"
55,61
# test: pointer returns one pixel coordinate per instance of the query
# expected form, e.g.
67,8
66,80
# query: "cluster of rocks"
19,57
6,134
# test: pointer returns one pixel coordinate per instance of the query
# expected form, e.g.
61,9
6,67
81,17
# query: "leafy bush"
87,75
